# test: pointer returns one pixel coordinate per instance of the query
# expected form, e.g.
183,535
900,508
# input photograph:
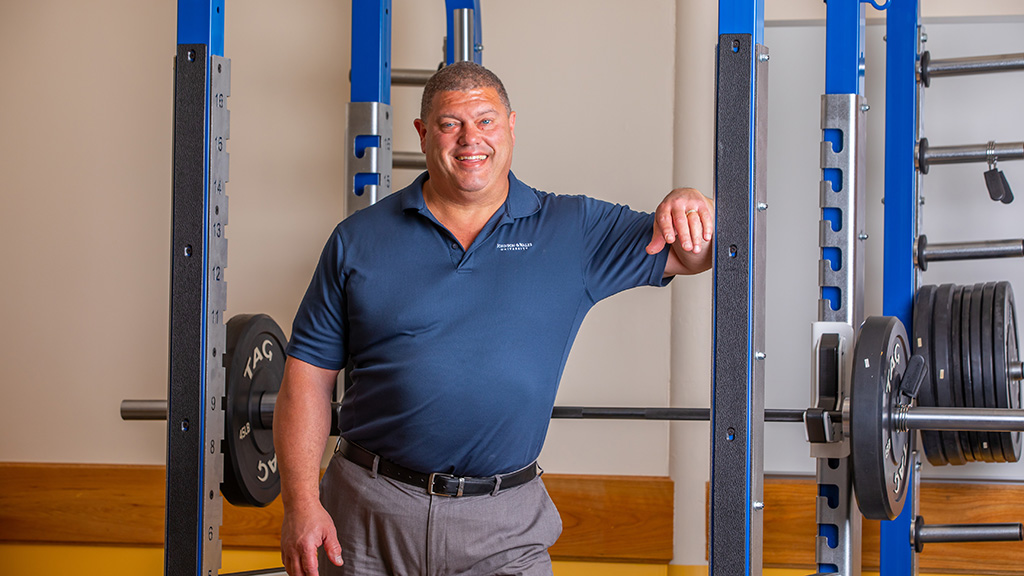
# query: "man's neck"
463,214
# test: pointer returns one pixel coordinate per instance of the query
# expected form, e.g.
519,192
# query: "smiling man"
453,304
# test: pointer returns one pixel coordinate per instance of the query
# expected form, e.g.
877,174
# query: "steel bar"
157,410
916,418
267,403
973,65
144,409
264,572
683,414
985,249
960,419
409,160
969,153
969,533
410,77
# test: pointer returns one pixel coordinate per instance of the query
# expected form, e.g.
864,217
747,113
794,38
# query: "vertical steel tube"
463,36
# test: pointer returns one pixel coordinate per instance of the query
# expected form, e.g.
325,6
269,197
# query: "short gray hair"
461,77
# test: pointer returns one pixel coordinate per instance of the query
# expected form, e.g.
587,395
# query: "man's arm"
685,220
301,426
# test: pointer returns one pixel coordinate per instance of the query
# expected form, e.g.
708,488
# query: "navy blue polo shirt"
455,355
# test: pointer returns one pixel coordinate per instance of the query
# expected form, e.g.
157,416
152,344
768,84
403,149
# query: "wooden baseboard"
605,518
790,527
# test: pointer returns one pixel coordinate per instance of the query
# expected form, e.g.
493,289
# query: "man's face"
468,139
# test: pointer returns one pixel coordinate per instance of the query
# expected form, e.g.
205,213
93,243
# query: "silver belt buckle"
430,485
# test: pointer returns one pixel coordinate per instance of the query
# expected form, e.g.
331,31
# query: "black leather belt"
437,484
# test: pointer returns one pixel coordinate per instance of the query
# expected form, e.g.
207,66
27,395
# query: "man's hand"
301,534
685,220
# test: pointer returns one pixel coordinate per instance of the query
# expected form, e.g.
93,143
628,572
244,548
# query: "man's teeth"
476,157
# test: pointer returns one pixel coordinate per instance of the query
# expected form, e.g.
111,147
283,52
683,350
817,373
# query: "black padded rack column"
737,415
195,422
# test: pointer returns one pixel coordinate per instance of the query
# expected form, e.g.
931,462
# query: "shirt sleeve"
319,329
615,258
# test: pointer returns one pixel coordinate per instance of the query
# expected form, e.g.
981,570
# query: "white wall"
613,101
86,108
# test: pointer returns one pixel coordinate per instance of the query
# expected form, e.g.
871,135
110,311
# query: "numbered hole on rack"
733,251
730,434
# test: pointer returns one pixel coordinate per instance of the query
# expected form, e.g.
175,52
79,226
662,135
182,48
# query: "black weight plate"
942,375
255,366
987,374
965,366
955,367
984,447
921,342
1013,368
880,454
1004,354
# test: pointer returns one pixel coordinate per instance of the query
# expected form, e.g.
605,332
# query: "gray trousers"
390,528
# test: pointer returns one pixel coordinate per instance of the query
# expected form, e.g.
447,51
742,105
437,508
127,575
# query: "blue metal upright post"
454,9
195,416
369,110
737,403
900,273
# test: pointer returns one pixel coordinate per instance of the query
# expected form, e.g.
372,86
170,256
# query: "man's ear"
421,129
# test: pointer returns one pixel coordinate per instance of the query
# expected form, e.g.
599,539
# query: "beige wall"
86,108
612,102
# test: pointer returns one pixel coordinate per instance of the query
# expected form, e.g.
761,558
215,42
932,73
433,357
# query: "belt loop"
497,485
373,469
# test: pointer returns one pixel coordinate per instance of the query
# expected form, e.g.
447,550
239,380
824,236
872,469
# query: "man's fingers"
657,243
667,226
683,230
333,550
309,563
707,222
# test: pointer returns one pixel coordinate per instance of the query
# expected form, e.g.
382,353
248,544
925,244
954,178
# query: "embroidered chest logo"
514,247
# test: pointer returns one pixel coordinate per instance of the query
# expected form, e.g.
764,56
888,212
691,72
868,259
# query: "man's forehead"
480,99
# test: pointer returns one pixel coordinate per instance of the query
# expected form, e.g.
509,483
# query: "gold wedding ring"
691,211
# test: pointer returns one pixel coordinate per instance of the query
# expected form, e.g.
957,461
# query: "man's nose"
470,134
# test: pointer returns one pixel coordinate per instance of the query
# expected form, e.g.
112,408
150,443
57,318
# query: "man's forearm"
301,426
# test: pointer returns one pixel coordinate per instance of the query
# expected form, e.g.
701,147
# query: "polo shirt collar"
522,200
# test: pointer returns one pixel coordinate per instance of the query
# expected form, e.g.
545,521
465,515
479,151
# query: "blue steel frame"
899,271
371,51
192,530
202,22
371,74
737,419
371,46
450,7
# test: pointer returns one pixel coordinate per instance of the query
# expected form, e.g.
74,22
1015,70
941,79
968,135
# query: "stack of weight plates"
968,337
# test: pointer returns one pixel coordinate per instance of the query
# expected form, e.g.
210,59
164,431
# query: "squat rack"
199,255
